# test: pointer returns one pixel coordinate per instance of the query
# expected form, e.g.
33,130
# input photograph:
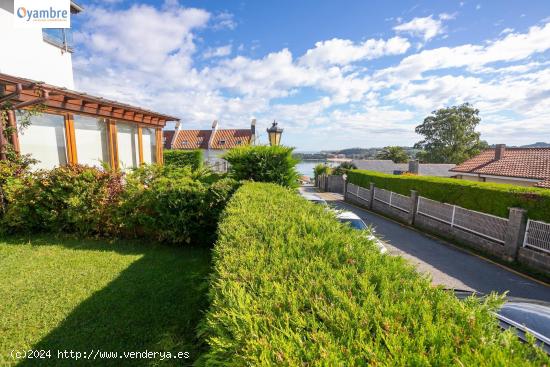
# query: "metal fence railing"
393,199
486,225
359,192
537,235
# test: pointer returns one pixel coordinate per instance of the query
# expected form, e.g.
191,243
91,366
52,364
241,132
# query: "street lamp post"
274,133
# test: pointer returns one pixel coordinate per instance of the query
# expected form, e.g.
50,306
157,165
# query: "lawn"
79,295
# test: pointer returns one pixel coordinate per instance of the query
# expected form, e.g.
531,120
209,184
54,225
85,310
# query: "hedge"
485,197
182,158
161,203
293,287
263,164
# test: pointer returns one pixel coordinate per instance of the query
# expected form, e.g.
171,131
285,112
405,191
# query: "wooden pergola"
23,93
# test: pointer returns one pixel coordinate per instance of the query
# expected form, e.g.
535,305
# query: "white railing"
537,235
486,225
393,199
358,191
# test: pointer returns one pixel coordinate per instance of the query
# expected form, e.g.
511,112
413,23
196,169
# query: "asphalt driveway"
448,265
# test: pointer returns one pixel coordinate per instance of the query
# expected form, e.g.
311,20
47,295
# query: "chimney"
414,166
212,135
253,132
500,149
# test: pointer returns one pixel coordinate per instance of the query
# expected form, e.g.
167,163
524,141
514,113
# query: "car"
312,198
522,315
355,222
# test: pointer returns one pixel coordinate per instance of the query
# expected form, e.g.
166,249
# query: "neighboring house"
214,143
389,167
36,70
516,166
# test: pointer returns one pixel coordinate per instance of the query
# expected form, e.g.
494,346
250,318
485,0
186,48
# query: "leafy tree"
396,154
450,135
343,168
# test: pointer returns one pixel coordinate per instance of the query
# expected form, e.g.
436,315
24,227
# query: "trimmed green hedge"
292,287
489,198
263,164
181,158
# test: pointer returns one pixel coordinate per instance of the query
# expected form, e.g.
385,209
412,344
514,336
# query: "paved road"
448,265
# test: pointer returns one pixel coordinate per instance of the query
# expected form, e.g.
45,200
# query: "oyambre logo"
42,13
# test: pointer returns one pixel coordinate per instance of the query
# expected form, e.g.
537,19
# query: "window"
149,145
127,142
91,140
185,142
59,37
239,142
44,140
221,142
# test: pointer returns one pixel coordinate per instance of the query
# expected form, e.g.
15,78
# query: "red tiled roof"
223,139
231,138
532,163
192,139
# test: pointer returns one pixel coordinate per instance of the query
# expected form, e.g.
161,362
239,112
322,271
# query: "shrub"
182,158
321,169
481,196
263,164
168,204
292,287
172,205
73,199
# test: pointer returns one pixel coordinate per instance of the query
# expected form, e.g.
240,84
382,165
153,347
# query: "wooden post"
413,208
113,146
140,145
160,158
2,141
70,139
371,195
14,135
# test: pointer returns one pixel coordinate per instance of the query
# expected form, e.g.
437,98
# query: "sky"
333,74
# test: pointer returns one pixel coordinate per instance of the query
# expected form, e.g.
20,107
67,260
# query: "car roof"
347,215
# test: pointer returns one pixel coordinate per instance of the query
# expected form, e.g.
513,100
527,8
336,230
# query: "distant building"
389,167
516,166
214,142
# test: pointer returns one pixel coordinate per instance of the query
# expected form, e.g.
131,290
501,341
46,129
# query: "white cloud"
217,52
224,20
425,28
142,56
506,31
342,52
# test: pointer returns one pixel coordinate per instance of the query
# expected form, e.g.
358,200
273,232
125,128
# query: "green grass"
68,294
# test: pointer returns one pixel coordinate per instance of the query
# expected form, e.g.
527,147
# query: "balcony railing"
59,37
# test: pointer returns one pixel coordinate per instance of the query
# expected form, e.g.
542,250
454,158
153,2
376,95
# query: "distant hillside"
539,144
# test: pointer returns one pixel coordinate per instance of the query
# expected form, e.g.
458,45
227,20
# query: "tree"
343,168
450,135
396,154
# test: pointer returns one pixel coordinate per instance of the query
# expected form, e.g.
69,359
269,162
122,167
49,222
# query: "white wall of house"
25,54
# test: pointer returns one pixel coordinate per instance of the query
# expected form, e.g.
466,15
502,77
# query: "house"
389,167
74,127
516,166
34,53
214,142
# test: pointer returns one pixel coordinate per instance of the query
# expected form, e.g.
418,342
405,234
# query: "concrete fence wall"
504,238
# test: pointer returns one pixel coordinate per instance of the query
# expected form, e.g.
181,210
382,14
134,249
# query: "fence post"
345,189
371,194
515,232
413,208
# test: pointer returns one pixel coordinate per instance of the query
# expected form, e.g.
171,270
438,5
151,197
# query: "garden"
233,269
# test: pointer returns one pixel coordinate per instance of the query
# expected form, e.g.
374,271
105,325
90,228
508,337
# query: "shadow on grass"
153,305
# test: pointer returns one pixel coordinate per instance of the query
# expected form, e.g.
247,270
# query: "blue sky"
335,74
